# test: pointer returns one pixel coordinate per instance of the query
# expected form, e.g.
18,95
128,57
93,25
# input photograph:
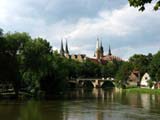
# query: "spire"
97,44
66,49
62,50
98,51
101,48
109,51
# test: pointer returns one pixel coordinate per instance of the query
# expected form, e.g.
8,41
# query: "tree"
90,69
104,71
54,81
157,76
154,68
140,62
36,62
10,45
109,70
73,68
141,4
123,73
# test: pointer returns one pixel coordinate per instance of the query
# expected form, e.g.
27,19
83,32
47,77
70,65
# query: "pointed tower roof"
101,47
97,44
66,49
109,51
62,50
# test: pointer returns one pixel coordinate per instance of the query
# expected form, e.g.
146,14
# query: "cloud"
127,30
121,28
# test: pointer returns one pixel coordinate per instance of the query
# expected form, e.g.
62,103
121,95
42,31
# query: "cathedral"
98,58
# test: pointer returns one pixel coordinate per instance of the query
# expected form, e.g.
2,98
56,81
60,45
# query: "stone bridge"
93,82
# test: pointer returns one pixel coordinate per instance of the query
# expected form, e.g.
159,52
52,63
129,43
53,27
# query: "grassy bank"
142,90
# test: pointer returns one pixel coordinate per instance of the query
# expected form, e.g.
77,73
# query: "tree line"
30,65
142,63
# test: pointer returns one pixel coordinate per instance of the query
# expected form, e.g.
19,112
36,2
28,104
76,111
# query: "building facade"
65,53
98,58
144,81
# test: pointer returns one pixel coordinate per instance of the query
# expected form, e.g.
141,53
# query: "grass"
142,90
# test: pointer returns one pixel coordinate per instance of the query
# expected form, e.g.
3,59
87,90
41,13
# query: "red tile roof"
111,58
105,59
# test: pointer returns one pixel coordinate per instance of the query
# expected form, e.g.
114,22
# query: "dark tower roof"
66,49
109,51
101,48
62,50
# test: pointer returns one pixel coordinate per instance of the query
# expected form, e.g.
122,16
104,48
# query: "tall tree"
154,68
10,47
123,73
140,62
36,61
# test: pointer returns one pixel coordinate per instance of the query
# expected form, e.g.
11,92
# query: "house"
134,78
144,80
157,85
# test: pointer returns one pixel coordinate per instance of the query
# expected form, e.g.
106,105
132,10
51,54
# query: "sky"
81,22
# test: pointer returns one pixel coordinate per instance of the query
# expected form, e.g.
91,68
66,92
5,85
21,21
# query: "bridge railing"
103,79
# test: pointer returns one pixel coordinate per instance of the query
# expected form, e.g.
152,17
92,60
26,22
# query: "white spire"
97,44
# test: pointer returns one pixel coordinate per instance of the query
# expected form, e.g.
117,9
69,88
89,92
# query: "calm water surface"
81,104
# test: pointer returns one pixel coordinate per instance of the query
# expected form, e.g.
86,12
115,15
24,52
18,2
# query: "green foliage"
157,6
25,62
110,69
71,67
154,68
10,45
143,90
36,62
157,75
150,83
141,4
123,73
16,42
54,81
140,62
36,55
89,69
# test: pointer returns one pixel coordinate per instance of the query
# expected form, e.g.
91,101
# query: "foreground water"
96,104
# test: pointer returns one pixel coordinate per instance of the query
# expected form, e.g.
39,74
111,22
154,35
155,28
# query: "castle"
98,58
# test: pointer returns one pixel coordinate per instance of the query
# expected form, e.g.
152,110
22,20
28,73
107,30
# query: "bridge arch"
108,84
88,84
93,83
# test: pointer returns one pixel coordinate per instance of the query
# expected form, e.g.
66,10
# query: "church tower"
66,49
62,50
109,51
98,51
101,49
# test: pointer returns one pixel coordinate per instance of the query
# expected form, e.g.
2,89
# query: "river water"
81,104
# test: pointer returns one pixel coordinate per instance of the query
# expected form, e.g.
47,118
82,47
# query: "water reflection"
31,111
83,104
93,93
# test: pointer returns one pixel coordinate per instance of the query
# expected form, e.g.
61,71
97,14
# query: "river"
81,104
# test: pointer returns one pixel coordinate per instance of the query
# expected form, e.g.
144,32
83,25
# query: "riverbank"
142,90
